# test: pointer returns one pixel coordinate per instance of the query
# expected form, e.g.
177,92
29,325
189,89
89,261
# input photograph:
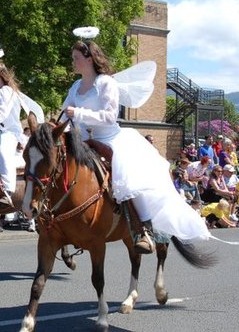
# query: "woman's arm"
222,191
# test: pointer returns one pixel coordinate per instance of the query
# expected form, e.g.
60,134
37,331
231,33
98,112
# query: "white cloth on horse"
137,167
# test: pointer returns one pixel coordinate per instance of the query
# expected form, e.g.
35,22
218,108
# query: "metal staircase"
191,96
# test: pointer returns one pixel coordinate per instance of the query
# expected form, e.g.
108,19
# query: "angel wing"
136,83
29,104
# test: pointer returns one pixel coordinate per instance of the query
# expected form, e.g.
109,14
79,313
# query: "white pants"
8,147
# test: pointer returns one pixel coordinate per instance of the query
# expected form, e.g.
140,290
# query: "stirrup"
144,242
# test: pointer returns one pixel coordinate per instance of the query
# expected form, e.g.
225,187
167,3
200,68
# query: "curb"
17,235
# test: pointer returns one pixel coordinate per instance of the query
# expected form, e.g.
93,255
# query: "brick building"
151,32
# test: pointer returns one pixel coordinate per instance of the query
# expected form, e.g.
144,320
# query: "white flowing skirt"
138,168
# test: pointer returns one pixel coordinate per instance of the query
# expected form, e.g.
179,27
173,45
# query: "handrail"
191,92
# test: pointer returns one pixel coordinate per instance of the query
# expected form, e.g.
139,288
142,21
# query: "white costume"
11,131
138,170
11,134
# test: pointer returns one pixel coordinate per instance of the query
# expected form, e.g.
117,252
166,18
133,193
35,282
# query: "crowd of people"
208,177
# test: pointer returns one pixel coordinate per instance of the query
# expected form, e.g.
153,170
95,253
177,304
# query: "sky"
203,42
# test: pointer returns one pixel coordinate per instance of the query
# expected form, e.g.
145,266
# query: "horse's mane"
42,138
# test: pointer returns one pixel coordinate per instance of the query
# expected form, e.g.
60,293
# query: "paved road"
199,300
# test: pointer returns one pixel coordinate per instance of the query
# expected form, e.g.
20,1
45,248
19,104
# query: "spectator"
217,214
234,158
207,150
231,181
216,188
197,171
217,147
184,186
230,177
149,138
225,154
192,152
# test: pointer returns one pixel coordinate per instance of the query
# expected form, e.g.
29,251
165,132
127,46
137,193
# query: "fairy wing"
29,104
136,83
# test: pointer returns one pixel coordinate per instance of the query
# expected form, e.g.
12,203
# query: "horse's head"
41,155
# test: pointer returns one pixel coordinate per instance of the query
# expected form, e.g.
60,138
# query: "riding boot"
145,242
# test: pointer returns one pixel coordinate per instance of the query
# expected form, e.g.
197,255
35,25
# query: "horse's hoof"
163,298
125,309
102,327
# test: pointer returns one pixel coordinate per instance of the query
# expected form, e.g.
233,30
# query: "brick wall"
151,32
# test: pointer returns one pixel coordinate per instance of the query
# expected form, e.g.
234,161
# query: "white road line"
84,313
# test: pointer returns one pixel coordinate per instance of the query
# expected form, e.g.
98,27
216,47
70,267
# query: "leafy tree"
36,36
230,113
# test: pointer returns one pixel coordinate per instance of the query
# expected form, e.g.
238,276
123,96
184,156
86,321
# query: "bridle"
48,182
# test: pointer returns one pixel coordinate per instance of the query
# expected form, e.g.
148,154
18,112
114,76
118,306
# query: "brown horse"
75,207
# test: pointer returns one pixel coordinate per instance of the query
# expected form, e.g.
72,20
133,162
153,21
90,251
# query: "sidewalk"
17,234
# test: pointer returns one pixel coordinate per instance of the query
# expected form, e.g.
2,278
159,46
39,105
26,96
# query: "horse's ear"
59,129
32,122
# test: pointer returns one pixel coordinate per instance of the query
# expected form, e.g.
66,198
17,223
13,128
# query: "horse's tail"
194,256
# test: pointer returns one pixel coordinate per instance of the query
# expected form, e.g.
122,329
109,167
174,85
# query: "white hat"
229,168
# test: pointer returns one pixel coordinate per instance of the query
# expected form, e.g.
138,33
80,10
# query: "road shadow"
59,317
9,276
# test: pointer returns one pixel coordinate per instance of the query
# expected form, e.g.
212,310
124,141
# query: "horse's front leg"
46,257
128,304
160,291
67,258
97,260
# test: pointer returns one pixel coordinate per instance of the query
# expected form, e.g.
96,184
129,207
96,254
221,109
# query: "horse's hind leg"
97,260
128,304
160,292
67,258
46,257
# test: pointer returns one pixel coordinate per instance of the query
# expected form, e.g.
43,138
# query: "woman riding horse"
139,172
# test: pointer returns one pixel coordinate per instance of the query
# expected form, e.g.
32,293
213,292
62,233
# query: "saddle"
102,160
104,151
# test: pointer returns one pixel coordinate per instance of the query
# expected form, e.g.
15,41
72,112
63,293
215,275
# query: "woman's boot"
145,242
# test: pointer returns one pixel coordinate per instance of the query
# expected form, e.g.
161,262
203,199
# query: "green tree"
36,36
230,113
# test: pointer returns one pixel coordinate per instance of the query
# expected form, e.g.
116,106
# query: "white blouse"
97,109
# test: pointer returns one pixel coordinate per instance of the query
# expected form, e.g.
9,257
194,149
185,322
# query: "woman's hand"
69,111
